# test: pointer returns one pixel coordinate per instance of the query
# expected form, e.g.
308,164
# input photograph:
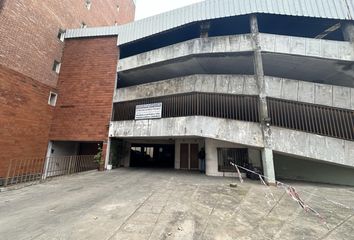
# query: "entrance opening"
152,155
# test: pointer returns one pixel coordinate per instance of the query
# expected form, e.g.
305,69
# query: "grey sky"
147,8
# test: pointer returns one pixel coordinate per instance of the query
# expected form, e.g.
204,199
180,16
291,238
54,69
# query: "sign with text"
148,111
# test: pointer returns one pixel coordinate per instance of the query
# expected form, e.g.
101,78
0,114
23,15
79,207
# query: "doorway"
189,156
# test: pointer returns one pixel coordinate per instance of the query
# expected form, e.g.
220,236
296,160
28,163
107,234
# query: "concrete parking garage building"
263,83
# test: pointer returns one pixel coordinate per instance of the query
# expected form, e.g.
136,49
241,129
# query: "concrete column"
348,31
105,153
108,153
211,158
258,67
125,161
267,153
177,154
204,29
47,159
268,165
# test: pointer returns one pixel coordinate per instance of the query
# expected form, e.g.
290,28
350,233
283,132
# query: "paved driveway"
158,204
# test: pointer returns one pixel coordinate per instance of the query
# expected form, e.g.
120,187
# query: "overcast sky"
147,8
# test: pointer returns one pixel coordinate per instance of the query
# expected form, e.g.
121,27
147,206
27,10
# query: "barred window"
235,155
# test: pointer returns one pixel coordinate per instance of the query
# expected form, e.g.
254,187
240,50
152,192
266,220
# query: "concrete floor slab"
165,204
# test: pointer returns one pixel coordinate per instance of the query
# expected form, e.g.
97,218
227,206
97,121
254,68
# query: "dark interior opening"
89,148
218,27
152,155
298,26
180,34
230,26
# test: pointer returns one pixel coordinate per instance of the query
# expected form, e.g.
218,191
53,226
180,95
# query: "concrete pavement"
166,204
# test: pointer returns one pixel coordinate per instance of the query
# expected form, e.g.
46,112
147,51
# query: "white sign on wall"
148,111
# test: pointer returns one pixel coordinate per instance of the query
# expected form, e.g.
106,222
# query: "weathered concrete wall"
232,84
245,133
242,43
307,47
313,146
296,90
287,167
237,43
323,94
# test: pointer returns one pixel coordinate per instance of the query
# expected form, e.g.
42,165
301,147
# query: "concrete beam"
282,88
272,43
240,132
313,146
309,92
310,47
231,84
287,141
224,44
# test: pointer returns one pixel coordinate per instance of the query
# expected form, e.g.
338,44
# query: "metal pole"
8,174
69,168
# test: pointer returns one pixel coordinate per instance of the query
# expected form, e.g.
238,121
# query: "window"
61,35
235,155
56,66
83,25
52,99
88,4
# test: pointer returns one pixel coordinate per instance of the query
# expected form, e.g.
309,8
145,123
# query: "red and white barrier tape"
291,191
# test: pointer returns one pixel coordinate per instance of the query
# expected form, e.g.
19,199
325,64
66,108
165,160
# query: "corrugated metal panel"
210,9
92,32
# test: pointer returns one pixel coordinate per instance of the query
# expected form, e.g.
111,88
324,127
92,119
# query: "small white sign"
148,111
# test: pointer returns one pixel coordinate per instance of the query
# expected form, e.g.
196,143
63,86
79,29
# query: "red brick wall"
25,117
29,29
86,86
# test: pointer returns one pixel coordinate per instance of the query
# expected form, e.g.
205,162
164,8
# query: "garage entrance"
152,155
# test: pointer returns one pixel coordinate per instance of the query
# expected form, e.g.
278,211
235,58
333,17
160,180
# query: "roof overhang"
213,9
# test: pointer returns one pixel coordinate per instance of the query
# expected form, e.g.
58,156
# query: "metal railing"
312,118
39,169
229,106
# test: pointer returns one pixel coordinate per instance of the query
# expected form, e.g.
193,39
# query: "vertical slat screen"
317,119
237,107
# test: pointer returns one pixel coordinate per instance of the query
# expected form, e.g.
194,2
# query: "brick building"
31,43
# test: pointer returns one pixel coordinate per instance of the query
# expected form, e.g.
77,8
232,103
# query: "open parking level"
169,204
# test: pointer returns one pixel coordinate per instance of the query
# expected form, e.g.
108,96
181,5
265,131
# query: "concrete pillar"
108,153
47,159
105,153
258,67
348,31
177,154
267,153
204,29
211,158
125,161
268,165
